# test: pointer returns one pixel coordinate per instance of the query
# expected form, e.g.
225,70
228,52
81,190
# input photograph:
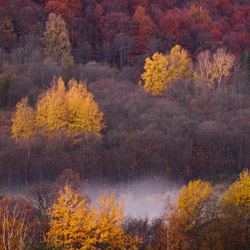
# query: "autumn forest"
117,92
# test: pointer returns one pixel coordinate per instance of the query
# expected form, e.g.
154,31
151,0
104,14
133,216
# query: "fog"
147,198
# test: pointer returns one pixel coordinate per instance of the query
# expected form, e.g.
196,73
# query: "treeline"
61,216
180,135
123,32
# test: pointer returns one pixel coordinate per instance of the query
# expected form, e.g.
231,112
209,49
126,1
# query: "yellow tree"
235,211
84,113
155,75
52,113
23,120
180,64
192,223
163,70
67,216
75,224
24,127
73,111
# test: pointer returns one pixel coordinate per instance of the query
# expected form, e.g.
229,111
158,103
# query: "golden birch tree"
192,222
163,70
23,120
180,64
155,75
52,113
59,111
75,224
235,211
72,111
24,127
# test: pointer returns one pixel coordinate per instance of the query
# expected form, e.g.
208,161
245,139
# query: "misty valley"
124,124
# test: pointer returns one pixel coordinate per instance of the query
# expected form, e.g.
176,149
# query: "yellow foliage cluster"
23,120
155,74
75,224
200,221
162,70
72,111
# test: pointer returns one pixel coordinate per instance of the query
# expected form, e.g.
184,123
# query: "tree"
210,69
73,111
75,224
23,121
64,8
56,39
203,69
58,111
191,225
24,127
222,64
163,70
14,224
245,62
155,75
52,110
180,64
235,209
146,29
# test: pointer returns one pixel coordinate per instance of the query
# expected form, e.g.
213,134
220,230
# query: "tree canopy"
59,110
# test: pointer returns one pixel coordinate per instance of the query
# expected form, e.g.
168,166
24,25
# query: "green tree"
245,62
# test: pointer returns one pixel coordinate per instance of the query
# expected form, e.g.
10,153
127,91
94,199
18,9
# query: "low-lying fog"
143,198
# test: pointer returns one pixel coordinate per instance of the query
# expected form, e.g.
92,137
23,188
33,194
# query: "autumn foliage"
76,224
58,110
161,72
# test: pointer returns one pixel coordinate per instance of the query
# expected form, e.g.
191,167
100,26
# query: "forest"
120,91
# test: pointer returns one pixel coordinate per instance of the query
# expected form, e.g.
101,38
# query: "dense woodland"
116,91
192,129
